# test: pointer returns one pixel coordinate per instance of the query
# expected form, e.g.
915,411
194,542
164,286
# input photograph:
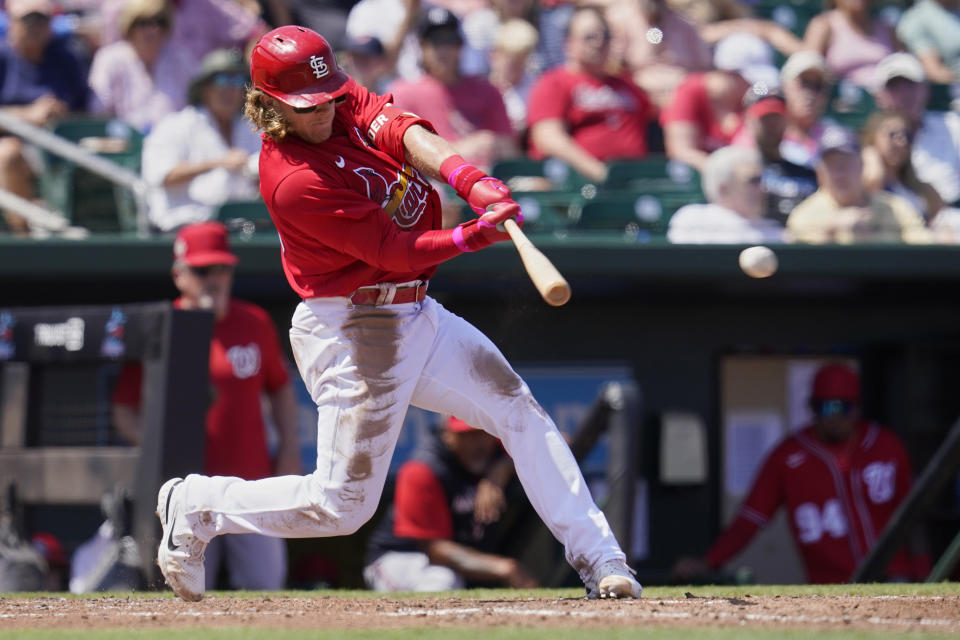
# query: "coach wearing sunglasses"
205,154
840,479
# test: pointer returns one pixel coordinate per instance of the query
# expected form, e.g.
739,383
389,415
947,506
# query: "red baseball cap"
203,244
765,106
456,425
297,66
836,382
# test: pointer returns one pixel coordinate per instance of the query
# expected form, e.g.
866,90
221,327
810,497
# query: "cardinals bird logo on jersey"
403,197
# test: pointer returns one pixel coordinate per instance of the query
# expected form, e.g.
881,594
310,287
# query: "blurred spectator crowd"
699,121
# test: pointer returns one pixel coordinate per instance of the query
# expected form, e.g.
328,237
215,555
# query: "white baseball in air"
758,262
654,35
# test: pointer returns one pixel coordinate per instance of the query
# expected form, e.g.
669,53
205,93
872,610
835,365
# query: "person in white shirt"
205,154
731,180
901,85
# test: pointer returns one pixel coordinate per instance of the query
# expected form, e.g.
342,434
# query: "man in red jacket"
344,175
840,479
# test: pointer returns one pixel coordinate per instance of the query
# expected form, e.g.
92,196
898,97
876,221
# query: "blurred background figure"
466,110
930,29
246,366
704,115
851,39
435,536
513,44
785,184
141,78
393,23
887,166
206,153
366,61
480,29
901,85
49,547
659,46
749,56
806,84
199,26
582,114
41,81
732,182
840,478
328,17
843,210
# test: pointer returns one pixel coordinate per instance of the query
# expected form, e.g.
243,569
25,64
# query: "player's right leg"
468,377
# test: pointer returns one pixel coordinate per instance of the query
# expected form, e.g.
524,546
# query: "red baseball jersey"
245,361
838,499
606,116
691,103
348,209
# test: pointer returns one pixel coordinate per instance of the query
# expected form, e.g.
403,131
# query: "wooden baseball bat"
548,281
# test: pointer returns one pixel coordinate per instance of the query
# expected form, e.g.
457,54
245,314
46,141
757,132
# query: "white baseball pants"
410,571
363,367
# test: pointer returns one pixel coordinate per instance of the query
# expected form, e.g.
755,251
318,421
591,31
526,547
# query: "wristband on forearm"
460,175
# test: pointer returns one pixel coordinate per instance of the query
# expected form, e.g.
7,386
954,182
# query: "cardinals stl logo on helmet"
319,67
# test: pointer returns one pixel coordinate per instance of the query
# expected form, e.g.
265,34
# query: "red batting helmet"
836,382
298,67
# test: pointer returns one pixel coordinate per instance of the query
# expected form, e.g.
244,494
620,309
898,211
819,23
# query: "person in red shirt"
580,113
246,364
345,176
435,536
704,114
840,479
466,110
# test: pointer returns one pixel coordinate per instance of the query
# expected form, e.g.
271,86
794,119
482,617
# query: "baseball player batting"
344,174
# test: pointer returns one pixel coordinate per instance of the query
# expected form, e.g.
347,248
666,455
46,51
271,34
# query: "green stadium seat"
653,174
86,199
639,215
941,98
793,15
560,175
850,105
246,217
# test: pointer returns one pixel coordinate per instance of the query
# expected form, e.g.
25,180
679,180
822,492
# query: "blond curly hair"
265,118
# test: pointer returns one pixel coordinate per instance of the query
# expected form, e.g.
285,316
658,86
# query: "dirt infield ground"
931,613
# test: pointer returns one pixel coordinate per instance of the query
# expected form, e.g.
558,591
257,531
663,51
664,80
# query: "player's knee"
352,519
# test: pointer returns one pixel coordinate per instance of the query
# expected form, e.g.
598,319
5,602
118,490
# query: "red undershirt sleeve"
420,505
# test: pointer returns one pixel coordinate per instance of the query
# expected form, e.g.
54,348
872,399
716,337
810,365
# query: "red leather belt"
389,293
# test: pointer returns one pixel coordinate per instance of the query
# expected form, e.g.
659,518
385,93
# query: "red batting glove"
477,188
486,230
489,191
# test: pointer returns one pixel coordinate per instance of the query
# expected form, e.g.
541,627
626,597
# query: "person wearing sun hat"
207,153
246,365
142,77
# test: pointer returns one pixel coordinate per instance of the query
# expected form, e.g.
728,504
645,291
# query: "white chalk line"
759,617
